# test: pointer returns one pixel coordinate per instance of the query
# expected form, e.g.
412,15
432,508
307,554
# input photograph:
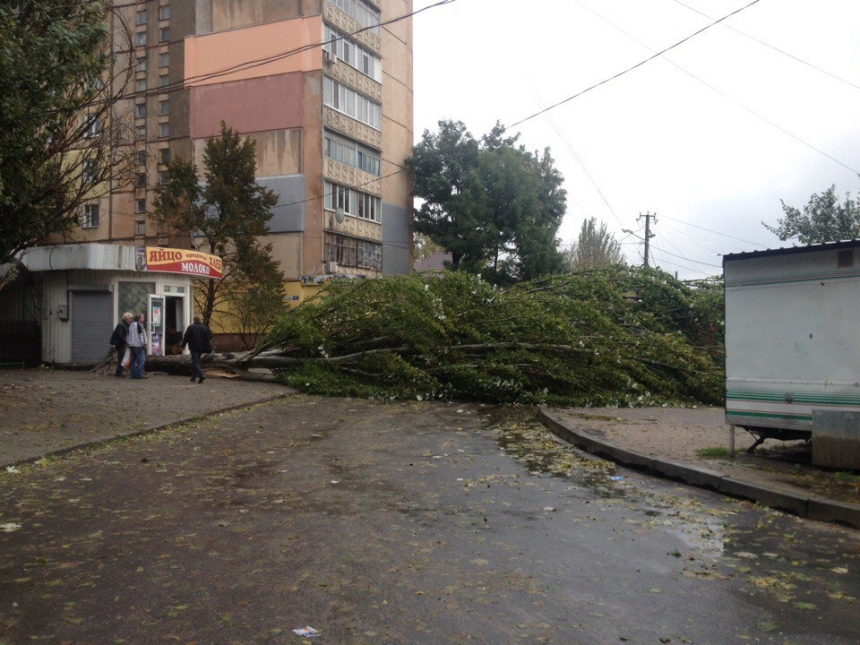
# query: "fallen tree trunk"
232,364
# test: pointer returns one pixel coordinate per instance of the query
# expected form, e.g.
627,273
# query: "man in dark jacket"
119,341
198,338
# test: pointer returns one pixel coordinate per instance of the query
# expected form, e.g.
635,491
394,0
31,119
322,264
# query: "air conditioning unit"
329,57
331,267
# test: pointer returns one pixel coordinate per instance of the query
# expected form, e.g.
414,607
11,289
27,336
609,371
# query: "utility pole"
648,233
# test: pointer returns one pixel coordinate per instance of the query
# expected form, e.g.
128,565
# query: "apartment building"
324,87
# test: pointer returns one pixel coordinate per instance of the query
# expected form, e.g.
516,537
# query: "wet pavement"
402,523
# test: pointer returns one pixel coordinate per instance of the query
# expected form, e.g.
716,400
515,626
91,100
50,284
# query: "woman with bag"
119,341
198,338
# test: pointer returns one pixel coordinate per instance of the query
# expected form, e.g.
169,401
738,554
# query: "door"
155,325
92,325
174,325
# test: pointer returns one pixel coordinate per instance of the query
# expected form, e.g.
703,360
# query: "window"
141,17
140,205
351,103
353,54
163,178
140,227
140,132
352,153
352,252
93,126
165,155
90,170
164,35
163,129
141,64
164,59
141,109
142,157
140,86
366,15
353,202
90,217
165,80
140,180
164,107
141,39
164,12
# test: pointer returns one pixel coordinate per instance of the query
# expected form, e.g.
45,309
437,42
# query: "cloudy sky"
710,136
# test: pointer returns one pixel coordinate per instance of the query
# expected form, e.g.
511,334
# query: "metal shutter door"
92,325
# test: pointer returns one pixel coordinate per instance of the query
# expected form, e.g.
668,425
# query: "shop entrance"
175,324
166,323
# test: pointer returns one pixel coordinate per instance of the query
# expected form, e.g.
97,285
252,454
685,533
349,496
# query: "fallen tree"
622,336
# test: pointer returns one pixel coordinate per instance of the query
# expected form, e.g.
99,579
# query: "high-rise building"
324,87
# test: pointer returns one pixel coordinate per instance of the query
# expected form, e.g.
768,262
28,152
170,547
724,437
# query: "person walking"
119,341
198,338
137,345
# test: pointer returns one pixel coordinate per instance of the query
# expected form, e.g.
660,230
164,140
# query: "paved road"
399,524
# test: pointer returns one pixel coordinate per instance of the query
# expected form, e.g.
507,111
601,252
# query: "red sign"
155,258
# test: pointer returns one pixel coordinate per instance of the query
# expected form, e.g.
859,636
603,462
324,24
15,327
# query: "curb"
811,506
138,433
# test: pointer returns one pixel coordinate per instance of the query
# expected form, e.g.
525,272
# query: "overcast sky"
710,136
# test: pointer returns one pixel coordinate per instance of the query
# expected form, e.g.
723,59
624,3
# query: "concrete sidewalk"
46,412
668,442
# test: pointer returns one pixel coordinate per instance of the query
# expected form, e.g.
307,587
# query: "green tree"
824,219
227,211
425,247
596,248
60,141
494,205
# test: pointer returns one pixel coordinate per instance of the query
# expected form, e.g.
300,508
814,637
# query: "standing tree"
495,206
423,247
823,219
60,142
229,211
596,248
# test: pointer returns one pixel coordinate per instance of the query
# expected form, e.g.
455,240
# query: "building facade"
324,87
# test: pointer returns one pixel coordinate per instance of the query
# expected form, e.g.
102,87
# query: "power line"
776,49
720,92
245,65
636,66
578,159
712,231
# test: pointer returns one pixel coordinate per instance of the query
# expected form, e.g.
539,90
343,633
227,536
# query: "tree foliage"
596,248
619,336
227,212
61,144
424,247
494,205
823,219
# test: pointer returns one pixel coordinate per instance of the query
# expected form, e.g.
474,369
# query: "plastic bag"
126,358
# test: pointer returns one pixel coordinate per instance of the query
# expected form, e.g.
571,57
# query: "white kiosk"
85,288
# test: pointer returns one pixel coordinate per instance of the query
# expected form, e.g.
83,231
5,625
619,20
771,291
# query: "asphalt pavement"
380,524
48,412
